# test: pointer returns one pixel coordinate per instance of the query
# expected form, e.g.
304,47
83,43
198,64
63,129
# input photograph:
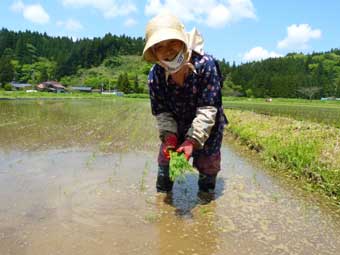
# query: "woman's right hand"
169,143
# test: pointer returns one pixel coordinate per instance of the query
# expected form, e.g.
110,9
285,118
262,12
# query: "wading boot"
164,184
206,183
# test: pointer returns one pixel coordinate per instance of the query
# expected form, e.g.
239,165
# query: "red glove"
169,143
187,147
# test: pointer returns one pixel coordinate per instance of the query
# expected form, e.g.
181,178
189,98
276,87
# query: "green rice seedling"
91,160
151,217
143,186
204,210
179,166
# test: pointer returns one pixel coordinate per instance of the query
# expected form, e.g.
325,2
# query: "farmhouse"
51,86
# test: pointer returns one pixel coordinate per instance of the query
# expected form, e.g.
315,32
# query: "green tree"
32,55
6,70
120,86
337,85
7,87
249,93
136,85
125,83
309,92
26,73
21,50
17,69
43,75
8,53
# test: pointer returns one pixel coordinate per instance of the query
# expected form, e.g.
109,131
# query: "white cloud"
130,22
32,12
109,8
218,16
70,24
213,13
298,37
259,53
17,6
241,9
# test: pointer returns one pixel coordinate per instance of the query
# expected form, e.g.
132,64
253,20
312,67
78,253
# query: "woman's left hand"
187,147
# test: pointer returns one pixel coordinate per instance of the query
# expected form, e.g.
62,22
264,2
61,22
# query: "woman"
185,94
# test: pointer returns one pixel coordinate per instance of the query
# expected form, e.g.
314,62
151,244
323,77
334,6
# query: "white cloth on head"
195,42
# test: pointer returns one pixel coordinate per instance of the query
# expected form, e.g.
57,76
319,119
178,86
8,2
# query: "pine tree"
125,83
136,84
6,70
43,75
337,85
20,50
120,85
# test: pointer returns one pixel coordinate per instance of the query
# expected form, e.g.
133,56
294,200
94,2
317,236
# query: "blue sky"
237,30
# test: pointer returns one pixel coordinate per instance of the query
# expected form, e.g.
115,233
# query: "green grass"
302,149
143,96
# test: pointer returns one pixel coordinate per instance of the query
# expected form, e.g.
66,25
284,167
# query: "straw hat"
160,28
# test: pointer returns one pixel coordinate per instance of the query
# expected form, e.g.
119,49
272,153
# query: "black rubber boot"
164,184
206,183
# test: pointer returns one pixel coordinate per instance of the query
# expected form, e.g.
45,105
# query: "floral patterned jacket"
193,110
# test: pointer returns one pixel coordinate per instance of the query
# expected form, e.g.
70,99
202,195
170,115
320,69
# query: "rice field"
78,177
316,111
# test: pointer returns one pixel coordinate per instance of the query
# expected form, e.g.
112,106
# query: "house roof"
82,88
20,85
53,84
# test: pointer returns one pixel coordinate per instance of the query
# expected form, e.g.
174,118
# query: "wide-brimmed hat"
160,28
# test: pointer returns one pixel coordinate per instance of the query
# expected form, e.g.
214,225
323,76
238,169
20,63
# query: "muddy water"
77,177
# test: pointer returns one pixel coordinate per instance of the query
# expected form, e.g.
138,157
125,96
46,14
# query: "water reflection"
188,219
186,196
187,232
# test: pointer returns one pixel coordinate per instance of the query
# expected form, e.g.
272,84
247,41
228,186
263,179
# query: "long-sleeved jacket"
193,110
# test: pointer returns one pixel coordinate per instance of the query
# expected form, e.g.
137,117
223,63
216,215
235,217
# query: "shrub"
8,87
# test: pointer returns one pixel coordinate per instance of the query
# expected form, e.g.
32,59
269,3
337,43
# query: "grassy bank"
303,150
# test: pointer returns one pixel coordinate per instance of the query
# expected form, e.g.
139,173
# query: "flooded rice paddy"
78,177
318,112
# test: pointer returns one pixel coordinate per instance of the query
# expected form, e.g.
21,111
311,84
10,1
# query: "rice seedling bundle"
179,166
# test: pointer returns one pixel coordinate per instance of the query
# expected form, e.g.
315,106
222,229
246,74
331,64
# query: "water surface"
78,177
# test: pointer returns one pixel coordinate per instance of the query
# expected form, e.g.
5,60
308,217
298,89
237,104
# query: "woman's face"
167,50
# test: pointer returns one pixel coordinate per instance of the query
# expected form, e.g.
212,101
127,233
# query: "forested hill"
27,47
34,57
295,75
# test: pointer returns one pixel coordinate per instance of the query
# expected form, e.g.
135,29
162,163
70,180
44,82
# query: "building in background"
81,89
51,86
21,86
